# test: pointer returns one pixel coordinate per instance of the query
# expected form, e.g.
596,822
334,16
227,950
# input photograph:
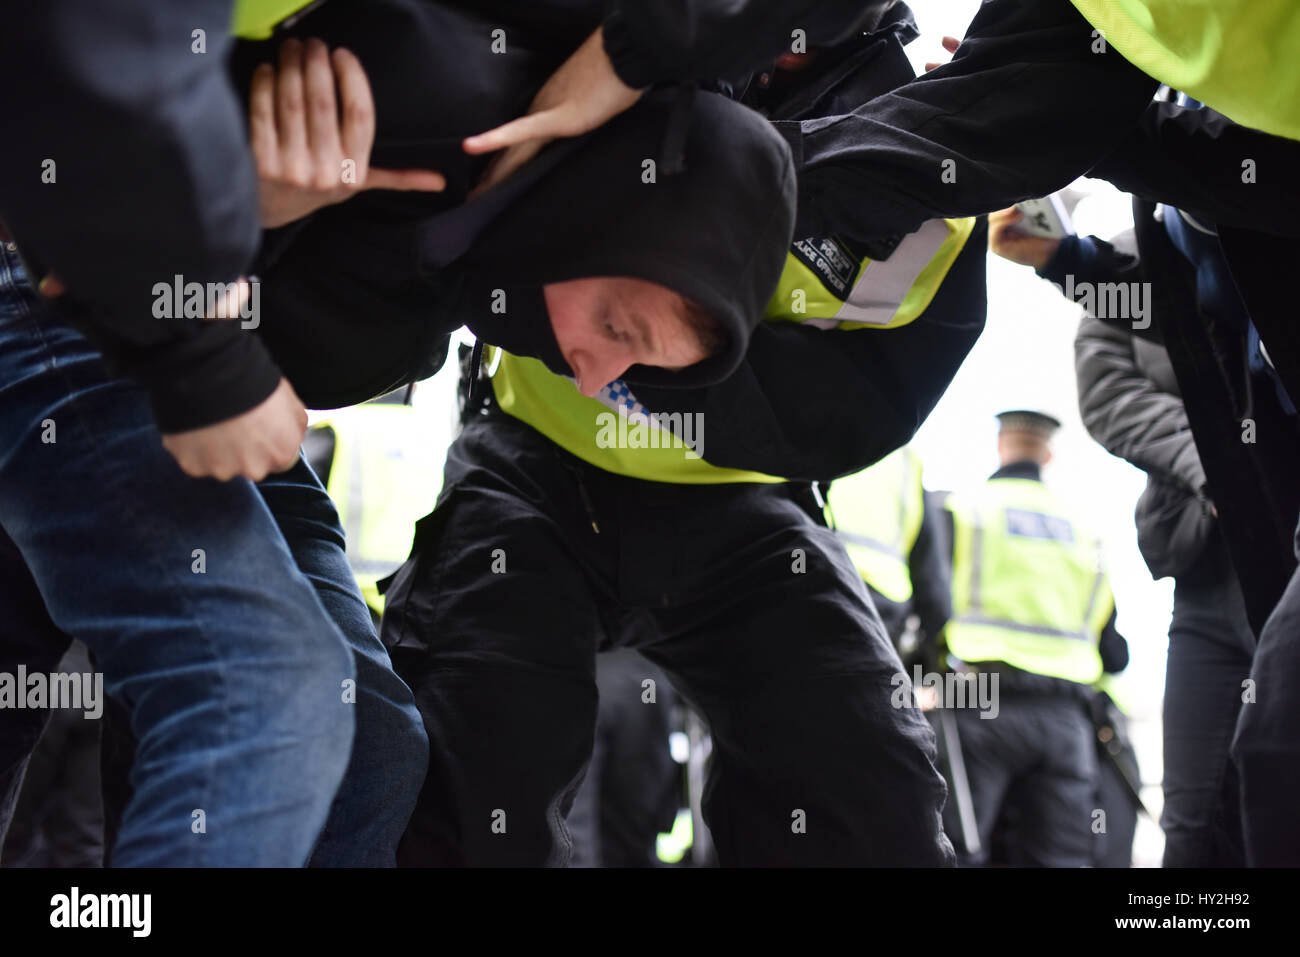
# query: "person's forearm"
1126,413
214,372
1023,109
125,159
1201,162
931,583
1092,260
687,40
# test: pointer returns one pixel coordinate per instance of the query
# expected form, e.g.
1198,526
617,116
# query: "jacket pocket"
1173,527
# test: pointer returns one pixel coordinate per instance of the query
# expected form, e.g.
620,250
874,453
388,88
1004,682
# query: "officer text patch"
1028,524
831,262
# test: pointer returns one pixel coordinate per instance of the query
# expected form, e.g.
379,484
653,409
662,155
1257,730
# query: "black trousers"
59,818
33,640
1210,650
532,560
1266,746
1037,755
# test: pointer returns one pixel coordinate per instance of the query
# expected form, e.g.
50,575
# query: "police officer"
1032,606
568,524
890,530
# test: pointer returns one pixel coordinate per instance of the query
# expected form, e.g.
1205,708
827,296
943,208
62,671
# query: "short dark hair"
709,331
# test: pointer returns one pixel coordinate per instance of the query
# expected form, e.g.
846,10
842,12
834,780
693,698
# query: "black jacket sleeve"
1201,162
1127,414
1023,109
813,405
928,566
125,163
1113,648
653,41
1094,261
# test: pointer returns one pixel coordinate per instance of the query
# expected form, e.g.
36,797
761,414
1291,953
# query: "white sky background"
1025,359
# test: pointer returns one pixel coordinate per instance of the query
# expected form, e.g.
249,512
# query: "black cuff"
221,372
1064,260
629,62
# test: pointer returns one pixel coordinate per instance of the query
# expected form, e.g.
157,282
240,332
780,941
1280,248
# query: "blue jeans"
222,614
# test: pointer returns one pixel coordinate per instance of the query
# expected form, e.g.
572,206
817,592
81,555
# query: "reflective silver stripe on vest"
976,561
866,541
1092,599
883,285
1018,626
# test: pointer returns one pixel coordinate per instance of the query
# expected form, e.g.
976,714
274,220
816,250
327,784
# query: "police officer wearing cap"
1032,605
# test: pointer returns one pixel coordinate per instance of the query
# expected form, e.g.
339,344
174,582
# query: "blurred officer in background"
890,530
1117,792
1031,605
380,465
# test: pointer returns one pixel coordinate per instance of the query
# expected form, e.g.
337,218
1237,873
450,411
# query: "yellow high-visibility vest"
1241,57
1029,585
822,284
384,477
257,19
878,514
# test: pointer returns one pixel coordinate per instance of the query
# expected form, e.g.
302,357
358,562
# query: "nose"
594,372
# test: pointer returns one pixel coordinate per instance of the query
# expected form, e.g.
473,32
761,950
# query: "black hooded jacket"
686,41
717,233
360,297
813,404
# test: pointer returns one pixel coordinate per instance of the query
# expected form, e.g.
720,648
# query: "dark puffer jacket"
1129,400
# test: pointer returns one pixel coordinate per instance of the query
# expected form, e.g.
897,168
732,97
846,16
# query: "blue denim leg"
188,596
391,751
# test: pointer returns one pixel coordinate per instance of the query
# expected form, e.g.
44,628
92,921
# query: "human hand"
263,440
583,94
1010,243
950,44
307,157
